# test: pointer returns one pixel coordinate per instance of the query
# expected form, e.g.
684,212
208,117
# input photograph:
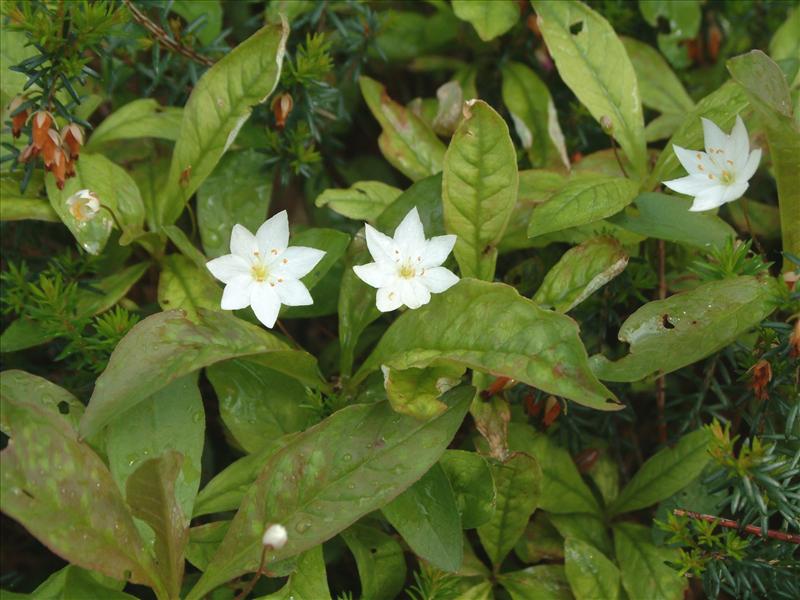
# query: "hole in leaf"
63,407
666,322
576,28
662,23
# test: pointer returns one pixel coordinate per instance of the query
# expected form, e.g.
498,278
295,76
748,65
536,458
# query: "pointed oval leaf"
355,461
479,188
466,324
490,18
643,567
584,199
185,286
473,486
666,335
518,482
308,581
659,87
426,515
219,105
166,346
544,582
73,582
141,118
580,272
363,201
593,63
590,573
20,386
380,561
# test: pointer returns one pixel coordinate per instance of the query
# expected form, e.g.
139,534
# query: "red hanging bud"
281,107
50,147
760,378
18,119
41,122
552,410
69,170
28,153
585,459
59,168
72,138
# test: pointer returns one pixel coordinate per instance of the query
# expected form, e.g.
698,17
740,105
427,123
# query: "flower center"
726,177
407,271
259,272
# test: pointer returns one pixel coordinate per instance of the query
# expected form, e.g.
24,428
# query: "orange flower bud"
760,378
17,120
49,148
281,107
70,167
28,153
552,410
59,168
72,138
42,120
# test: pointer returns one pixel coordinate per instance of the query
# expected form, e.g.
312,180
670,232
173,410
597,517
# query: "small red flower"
19,119
760,378
41,122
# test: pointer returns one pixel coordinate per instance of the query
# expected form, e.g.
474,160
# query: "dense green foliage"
603,403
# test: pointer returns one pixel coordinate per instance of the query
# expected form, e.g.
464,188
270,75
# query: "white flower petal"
226,268
293,293
388,299
695,162
243,243
436,250
715,139
709,199
734,191
273,235
438,279
265,303
409,235
413,294
691,185
738,146
375,274
750,167
237,293
296,262
381,246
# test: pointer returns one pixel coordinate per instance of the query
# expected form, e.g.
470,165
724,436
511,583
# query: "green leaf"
562,489
219,105
16,206
204,541
518,483
13,50
226,490
535,187
406,142
490,18
171,420
98,297
332,241
117,192
585,527
380,561
185,246
589,572
769,95
367,452
46,471
534,114
683,20
166,346
540,542
356,304
479,188
309,580
150,493
785,43
258,404
585,198
663,126
464,326
666,335
594,65
415,392
210,9
642,564
141,118
721,106
183,285
659,87
407,35
473,486
363,201
426,196
426,516
221,205
545,582
665,473
667,217
20,386
73,583
580,272
765,219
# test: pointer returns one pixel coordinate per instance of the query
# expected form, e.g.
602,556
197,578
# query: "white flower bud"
83,205
275,537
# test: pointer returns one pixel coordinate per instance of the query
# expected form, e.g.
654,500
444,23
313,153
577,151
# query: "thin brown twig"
752,233
729,524
163,39
255,579
661,384
617,156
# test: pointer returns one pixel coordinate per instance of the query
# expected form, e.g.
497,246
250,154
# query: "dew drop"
302,526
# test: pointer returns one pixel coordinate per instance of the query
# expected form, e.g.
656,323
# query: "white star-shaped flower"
262,272
83,205
407,269
721,173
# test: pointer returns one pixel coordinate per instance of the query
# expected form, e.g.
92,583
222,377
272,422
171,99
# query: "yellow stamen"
259,272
